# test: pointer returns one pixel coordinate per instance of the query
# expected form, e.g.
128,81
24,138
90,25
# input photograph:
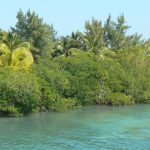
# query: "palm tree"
15,53
94,34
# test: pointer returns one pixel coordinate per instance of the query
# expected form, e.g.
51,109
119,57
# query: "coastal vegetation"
103,65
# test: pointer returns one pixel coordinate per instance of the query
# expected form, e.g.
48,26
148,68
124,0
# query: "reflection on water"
88,128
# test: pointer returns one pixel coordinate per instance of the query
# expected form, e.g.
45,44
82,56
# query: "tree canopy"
31,28
103,65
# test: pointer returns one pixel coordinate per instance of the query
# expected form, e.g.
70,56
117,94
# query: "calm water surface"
89,128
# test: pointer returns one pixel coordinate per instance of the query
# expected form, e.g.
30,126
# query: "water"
89,128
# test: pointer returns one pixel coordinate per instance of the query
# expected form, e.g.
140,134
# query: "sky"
70,15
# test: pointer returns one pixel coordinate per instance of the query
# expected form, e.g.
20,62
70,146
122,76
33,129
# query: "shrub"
101,95
144,98
119,99
10,111
84,75
19,89
64,104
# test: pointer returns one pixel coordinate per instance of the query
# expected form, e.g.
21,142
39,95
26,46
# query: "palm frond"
22,57
5,55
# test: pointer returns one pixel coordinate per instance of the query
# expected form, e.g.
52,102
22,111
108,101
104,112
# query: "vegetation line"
102,65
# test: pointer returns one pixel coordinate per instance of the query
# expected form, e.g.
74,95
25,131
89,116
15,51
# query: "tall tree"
94,33
115,32
31,28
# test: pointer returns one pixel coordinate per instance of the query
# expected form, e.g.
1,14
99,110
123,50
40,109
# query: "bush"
144,98
84,75
19,89
64,104
79,78
101,95
53,81
10,111
119,99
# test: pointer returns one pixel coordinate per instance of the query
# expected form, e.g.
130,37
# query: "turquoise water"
88,128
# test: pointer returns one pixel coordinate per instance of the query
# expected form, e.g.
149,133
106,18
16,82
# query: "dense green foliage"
31,28
102,65
15,53
19,91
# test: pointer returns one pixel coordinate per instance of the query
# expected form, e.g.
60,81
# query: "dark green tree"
115,32
75,40
133,40
31,28
94,33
